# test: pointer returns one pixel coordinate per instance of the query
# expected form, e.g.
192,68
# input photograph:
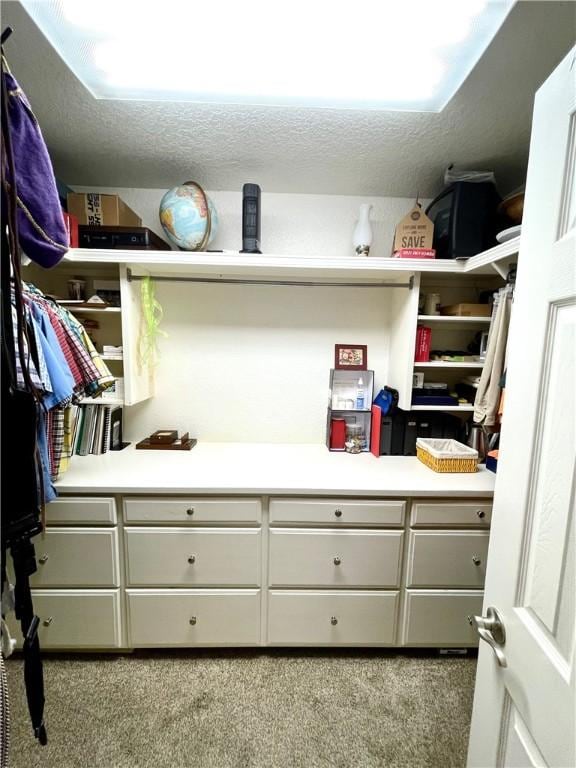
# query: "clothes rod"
243,281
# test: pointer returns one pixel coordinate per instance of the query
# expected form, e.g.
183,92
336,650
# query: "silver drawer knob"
337,560
43,559
476,560
338,512
333,621
192,620
192,559
480,513
190,511
48,621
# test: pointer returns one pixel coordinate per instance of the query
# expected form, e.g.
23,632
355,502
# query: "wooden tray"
184,443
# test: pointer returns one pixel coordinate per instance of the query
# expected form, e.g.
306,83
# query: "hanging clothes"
65,367
487,401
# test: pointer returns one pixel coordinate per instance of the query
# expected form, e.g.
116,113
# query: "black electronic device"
251,218
466,220
127,238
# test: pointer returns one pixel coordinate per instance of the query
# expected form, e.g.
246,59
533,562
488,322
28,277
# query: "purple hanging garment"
41,230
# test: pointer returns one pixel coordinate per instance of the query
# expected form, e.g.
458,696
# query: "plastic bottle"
360,395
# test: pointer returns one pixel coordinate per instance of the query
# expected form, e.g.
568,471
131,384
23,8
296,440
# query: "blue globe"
183,217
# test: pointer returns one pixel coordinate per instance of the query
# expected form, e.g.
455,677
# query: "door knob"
476,560
491,629
192,559
338,512
337,560
333,621
43,559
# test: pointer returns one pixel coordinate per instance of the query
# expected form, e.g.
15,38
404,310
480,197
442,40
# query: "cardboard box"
95,209
467,310
414,231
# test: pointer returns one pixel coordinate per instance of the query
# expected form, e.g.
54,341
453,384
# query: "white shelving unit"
235,264
453,408
446,364
118,325
90,311
453,320
400,279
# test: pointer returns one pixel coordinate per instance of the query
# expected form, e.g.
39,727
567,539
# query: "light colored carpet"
291,709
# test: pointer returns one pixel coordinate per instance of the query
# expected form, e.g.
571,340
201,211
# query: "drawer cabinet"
332,618
75,619
451,514
201,557
191,511
447,558
76,557
185,618
441,618
335,558
78,510
334,512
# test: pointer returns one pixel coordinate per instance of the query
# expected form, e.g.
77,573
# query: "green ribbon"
152,314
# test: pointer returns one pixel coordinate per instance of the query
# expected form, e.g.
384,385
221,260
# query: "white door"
524,712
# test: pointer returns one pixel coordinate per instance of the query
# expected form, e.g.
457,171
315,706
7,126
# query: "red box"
71,223
414,253
375,433
423,342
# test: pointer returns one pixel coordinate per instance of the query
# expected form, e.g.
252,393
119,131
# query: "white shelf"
89,311
100,401
463,408
235,264
111,357
446,364
453,320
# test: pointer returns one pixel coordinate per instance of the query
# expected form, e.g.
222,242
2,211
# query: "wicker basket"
446,455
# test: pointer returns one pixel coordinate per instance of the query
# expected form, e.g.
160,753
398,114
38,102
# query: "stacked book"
95,429
423,342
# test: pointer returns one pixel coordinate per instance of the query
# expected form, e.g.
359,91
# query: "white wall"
251,363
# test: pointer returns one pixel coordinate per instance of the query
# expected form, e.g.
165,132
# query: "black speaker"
251,218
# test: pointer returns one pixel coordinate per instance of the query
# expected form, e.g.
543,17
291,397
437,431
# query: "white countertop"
265,469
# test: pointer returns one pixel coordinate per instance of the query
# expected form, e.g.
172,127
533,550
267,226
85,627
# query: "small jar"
432,304
355,438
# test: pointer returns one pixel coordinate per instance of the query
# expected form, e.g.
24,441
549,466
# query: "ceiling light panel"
370,54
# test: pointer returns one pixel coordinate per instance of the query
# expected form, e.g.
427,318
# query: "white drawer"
181,511
447,559
332,618
198,557
162,618
75,619
441,618
451,513
76,557
336,512
335,558
78,510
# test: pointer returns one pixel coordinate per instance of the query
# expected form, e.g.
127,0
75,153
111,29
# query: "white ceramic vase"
362,237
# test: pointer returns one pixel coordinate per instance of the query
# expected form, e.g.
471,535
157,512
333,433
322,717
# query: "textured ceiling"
152,144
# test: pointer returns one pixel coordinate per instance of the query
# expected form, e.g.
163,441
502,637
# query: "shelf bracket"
249,281
498,267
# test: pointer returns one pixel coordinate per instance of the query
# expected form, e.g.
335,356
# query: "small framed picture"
353,357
